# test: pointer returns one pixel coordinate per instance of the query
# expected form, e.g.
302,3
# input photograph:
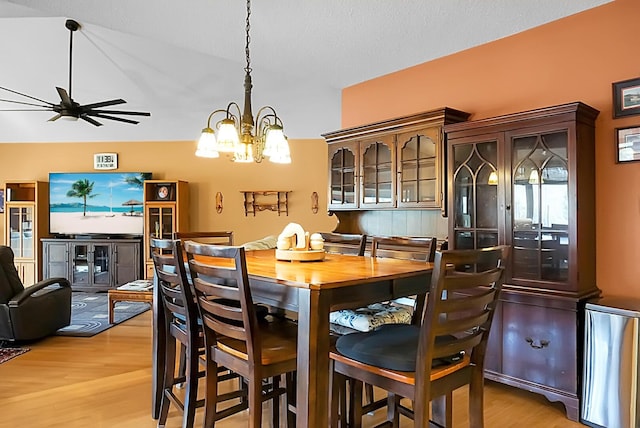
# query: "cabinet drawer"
539,345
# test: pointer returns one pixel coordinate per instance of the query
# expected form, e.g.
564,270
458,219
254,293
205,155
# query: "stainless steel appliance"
611,364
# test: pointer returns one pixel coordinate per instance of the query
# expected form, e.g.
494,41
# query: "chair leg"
169,376
338,401
211,394
355,403
476,404
442,410
191,389
290,379
393,416
255,404
275,402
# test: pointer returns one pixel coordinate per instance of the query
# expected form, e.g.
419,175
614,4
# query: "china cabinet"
518,180
26,221
92,264
395,163
166,210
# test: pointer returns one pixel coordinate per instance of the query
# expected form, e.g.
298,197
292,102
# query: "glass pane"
464,197
384,192
427,190
370,157
349,158
487,239
464,240
555,245
27,232
487,199
384,153
409,191
81,265
101,264
409,171
167,223
428,168
15,226
427,147
349,194
461,153
409,150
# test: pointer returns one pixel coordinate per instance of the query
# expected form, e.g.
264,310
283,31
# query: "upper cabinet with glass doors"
393,163
26,221
518,180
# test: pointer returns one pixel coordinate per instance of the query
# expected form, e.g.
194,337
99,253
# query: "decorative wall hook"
219,202
314,202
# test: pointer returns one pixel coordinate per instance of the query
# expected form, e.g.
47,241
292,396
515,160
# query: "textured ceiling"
181,60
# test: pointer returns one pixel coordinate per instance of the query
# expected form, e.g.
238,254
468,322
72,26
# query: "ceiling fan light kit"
67,108
249,140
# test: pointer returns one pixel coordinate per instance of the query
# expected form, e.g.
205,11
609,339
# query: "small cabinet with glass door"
518,180
26,221
166,205
395,163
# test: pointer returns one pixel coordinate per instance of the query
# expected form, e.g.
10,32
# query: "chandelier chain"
248,38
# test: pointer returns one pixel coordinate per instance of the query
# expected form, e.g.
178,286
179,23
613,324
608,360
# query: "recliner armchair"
34,312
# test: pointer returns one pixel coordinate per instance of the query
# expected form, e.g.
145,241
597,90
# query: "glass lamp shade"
207,144
244,154
276,146
493,179
228,138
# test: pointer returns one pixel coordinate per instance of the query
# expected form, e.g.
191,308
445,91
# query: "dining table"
312,289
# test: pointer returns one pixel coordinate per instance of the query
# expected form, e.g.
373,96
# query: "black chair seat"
391,346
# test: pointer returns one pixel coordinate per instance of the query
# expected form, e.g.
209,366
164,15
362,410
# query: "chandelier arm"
211,115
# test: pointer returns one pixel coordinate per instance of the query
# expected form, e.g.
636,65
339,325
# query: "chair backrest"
406,248
465,286
213,237
177,296
344,243
221,283
10,283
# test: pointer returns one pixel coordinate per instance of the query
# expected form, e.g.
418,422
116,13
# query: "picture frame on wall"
1,201
628,144
626,98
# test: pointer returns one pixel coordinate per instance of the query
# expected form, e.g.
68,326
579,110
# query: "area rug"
8,353
89,314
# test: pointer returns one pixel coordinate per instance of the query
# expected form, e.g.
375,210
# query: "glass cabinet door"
540,199
418,168
80,264
475,195
342,178
22,241
100,265
160,222
378,174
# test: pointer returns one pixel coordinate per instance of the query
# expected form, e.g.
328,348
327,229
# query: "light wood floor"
105,381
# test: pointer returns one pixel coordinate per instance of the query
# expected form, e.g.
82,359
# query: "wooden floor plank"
105,381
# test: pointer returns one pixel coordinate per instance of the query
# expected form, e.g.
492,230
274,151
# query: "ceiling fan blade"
54,118
103,104
132,113
48,107
90,120
119,119
64,96
25,95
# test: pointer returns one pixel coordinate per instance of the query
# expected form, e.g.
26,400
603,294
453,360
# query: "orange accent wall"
573,59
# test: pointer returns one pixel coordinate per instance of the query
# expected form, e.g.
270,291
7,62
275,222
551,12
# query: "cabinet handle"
537,345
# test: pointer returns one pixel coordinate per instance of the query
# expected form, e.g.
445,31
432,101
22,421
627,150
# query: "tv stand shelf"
92,264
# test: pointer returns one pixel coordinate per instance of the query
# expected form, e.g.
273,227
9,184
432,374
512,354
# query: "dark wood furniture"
441,354
313,290
518,180
344,243
233,335
93,264
211,237
114,296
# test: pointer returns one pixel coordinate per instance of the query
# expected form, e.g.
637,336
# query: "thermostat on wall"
105,161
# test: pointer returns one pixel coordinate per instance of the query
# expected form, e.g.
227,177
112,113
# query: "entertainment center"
88,227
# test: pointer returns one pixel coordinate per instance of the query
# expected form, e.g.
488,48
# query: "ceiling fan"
67,107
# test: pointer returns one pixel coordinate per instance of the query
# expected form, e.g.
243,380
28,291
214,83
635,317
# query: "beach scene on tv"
96,203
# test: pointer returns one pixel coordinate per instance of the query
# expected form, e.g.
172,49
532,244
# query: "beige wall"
206,177
573,59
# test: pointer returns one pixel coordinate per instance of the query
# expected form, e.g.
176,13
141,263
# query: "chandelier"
238,133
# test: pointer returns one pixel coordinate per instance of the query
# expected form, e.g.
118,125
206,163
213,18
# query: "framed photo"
628,144
1,200
165,192
626,98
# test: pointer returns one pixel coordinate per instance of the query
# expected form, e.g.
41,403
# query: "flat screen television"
96,203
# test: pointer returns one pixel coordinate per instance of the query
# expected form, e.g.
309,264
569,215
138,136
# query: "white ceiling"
181,60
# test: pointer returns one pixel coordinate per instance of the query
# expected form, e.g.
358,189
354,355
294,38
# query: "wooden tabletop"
336,270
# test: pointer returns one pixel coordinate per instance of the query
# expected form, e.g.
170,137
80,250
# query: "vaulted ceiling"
181,60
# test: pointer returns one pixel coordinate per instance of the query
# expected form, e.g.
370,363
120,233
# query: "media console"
92,264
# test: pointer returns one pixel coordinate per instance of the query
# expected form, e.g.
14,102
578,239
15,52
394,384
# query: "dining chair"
234,336
427,361
206,237
182,328
344,243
